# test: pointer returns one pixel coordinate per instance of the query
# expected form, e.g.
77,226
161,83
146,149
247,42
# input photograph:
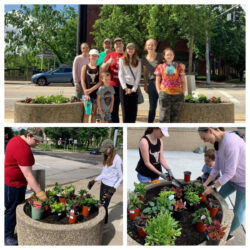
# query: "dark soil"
189,235
49,217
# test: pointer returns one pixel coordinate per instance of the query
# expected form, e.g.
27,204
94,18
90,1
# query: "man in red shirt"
19,160
111,64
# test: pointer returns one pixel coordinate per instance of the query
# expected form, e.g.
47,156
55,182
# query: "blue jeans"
239,206
153,99
12,198
143,178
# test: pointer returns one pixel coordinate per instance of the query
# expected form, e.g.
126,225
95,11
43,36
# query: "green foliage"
82,192
48,99
201,99
134,201
140,189
151,208
69,190
51,193
58,189
162,230
192,198
88,202
202,215
165,201
42,27
57,207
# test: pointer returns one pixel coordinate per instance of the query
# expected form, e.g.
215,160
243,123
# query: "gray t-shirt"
105,94
150,66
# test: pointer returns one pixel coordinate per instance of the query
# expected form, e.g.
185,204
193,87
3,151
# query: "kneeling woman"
151,156
111,174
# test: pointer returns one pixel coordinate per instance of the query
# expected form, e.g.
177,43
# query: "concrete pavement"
228,91
180,162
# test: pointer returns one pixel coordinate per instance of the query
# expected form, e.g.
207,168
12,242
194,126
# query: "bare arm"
162,159
27,172
158,83
83,79
145,156
184,82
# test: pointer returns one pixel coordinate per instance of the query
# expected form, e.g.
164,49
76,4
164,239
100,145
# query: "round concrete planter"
31,232
206,112
48,113
227,215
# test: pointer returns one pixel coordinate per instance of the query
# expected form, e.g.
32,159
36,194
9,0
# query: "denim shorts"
93,100
143,178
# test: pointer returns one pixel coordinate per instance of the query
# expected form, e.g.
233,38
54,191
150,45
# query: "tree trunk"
190,57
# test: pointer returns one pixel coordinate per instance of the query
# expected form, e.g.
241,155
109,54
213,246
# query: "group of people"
224,168
107,79
19,160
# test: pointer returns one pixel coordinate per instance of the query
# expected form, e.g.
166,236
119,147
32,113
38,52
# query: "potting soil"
189,235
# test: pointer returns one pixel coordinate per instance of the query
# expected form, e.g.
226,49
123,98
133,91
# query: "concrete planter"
48,113
31,232
206,112
227,215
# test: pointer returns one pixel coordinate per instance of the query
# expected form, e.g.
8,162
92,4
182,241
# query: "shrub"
201,99
162,230
53,99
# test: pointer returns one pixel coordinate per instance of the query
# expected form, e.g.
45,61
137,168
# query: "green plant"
202,215
88,202
179,205
165,201
216,231
134,201
140,189
200,189
162,230
152,208
201,99
58,188
51,193
192,198
82,192
68,190
57,207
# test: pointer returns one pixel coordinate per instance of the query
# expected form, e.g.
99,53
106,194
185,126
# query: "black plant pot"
58,216
178,215
213,242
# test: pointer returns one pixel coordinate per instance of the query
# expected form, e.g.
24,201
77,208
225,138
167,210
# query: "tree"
42,27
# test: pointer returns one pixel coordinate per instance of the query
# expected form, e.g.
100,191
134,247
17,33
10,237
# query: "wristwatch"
213,187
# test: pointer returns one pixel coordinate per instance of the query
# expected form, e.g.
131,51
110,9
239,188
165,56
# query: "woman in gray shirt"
149,63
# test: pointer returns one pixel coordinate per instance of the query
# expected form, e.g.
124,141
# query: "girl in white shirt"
129,75
111,174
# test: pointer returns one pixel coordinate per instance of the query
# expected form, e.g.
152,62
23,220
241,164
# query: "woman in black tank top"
151,156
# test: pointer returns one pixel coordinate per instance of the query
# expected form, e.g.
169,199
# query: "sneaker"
230,237
10,241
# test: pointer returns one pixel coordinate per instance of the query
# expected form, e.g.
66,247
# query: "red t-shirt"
113,68
18,153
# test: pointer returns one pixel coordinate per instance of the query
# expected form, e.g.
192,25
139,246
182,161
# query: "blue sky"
9,7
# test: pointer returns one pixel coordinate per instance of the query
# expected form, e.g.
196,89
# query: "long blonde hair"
109,158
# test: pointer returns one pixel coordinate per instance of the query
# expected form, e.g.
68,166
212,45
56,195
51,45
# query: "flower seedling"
178,192
216,231
179,205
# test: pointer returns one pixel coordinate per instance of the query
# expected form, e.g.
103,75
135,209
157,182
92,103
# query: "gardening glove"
91,184
42,196
170,174
164,176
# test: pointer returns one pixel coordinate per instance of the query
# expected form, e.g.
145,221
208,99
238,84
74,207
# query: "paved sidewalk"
180,162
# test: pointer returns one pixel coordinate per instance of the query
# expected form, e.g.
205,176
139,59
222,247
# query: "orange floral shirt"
170,78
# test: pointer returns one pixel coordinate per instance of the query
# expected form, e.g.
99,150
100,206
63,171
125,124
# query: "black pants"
105,201
129,106
115,113
12,198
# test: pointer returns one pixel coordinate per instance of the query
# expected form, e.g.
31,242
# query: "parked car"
62,74
95,151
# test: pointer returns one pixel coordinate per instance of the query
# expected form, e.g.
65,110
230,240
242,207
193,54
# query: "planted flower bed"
53,109
64,219
178,216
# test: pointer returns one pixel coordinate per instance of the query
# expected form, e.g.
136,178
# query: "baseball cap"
130,45
164,131
93,52
36,133
118,39
107,40
106,144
